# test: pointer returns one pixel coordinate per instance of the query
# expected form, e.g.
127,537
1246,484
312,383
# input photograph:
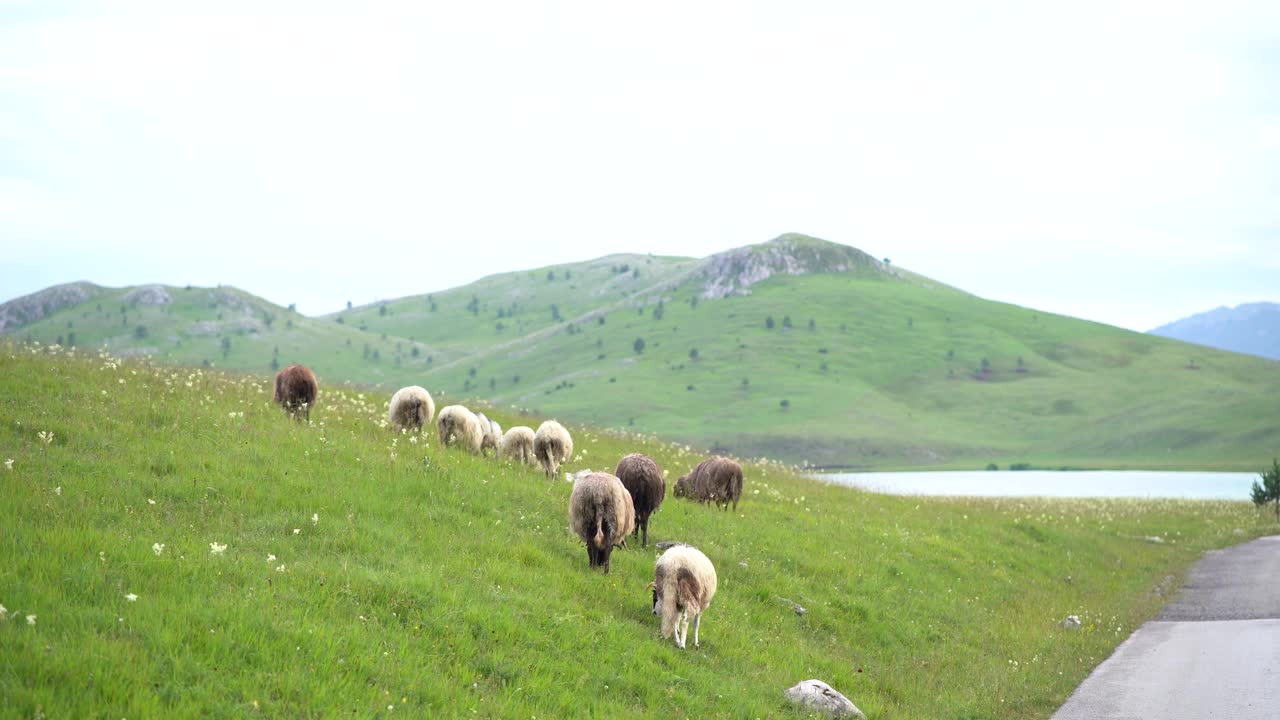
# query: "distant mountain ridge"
1251,328
30,308
797,348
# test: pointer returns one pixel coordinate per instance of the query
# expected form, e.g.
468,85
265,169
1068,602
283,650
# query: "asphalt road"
1214,652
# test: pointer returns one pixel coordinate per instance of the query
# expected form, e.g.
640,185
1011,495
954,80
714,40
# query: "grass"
408,580
895,371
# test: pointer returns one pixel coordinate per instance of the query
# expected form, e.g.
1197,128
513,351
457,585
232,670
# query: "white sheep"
517,444
490,434
552,446
411,407
684,581
460,425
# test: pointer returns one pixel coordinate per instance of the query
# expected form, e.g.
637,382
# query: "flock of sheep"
603,508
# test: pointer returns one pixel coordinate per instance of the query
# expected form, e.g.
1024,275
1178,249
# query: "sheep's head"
681,488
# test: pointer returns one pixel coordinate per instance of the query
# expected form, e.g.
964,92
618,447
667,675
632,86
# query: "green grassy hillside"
363,573
797,349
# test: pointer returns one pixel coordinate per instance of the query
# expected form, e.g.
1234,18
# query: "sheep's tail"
599,539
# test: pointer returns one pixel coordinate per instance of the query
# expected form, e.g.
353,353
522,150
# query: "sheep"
601,513
552,446
411,407
490,434
460,425
716,479
684,581
296,391
495,432
517,444
642,478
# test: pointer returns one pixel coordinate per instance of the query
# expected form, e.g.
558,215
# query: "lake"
1050,483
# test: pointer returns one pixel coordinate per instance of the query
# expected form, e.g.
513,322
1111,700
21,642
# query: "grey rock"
815,695
148,295
797,607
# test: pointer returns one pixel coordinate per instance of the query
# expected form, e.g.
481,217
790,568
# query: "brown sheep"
716,479
642,478
601,513
296,391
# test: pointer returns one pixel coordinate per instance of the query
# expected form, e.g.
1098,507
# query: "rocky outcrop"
733,272
148,295
30,308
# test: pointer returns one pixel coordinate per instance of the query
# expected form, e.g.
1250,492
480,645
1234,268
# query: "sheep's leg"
684,628
697,620
645,543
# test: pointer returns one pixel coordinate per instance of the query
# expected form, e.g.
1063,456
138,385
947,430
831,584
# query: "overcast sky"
1113,161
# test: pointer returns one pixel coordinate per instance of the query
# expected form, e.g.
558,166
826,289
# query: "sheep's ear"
651,586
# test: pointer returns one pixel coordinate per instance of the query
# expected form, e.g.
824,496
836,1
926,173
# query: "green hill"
798,349
184,550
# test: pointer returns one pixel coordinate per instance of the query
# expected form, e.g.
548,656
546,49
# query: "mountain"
1252,328
797,349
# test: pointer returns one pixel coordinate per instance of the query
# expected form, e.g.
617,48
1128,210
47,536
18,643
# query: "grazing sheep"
296,391
642,478
716,479
460,425
517,444
601,513
490,434
552,446
495,432
684,581
411,407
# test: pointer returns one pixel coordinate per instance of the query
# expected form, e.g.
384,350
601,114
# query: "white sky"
1109,160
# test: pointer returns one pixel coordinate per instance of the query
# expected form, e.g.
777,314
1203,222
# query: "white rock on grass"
818,696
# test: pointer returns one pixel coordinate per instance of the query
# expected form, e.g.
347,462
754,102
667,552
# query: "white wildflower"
31,619
280,568
157,548
57,490
150,501
315,518
8,464
4,611
131,597
216,548
46,436
297,531
271,558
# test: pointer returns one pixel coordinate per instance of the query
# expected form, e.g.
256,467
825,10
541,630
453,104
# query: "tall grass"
371,574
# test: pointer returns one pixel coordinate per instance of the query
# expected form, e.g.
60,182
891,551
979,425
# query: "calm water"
1048,483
